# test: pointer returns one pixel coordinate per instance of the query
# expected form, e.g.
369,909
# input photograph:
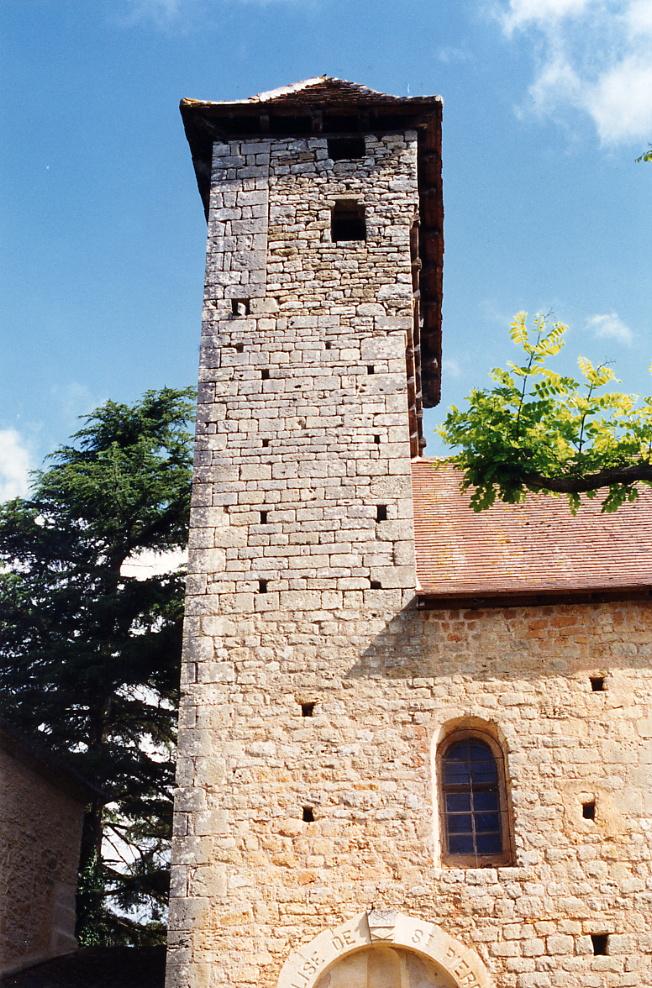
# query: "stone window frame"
504,857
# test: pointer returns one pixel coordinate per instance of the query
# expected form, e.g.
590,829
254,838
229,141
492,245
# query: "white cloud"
451,367
591,56
15,465
74,400
621,101
522,12
453,54
609,326
639,16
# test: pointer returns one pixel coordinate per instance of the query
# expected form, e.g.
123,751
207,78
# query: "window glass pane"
459,823
460,801
485,799
456,773
487,821
460,844
459,750
488,843
478,750
484,772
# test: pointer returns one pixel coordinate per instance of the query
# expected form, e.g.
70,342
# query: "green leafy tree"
91,656
538,430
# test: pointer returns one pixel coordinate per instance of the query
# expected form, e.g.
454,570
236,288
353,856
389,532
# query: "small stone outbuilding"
41,812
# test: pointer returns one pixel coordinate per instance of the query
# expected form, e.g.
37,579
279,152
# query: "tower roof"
323,88
324,105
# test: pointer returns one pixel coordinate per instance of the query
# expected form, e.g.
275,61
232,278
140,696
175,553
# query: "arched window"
474,817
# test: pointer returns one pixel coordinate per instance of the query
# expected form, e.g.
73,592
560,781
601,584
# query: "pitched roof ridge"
314,82
318,80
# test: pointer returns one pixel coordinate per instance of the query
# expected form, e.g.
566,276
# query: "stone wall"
40,833
288,819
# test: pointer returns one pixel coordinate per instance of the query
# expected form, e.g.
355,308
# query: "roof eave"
481,598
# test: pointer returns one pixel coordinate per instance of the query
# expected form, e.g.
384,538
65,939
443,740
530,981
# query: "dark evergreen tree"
90,656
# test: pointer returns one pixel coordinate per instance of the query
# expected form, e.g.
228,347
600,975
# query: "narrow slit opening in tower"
381,512
264,374
600,943
265,443
348,221
263,517
588,809
346,148
377,439
371,369
262,586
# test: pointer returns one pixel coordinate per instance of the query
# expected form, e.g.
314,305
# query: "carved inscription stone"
381,924
456,966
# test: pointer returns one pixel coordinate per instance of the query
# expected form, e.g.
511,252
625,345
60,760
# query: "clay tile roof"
533,549
323,88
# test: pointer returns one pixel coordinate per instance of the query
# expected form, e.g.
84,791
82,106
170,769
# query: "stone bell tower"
320,346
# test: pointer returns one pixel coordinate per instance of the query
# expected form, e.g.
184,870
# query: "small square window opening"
597,684
346,148
348,221
588,810
600,942
308,814
307,709
381,512
240,306
262,586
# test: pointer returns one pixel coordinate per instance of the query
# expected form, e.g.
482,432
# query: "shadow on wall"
512,643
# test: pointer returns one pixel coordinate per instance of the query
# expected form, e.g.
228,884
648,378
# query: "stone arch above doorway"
440,961
384,966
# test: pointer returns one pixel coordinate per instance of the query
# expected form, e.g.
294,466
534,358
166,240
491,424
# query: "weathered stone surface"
40,834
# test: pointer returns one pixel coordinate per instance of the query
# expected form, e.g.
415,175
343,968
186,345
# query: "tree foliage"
539,430
91,656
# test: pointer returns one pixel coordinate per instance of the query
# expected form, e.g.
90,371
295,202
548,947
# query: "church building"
414,742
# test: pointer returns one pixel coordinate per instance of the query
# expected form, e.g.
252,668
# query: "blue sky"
547,102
